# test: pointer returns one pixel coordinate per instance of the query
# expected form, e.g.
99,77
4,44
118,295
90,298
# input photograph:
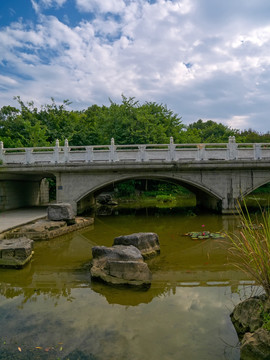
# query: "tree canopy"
128,123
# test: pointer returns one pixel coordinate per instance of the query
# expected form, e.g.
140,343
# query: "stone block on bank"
256,345
61,212
120,265
246,315
247,319
15,252
146,242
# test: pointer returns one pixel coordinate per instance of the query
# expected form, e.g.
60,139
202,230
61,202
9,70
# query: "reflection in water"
52,304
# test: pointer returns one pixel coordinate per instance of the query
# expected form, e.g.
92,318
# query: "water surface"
52,310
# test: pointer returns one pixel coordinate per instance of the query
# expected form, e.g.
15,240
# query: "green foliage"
208,132
125,188
202,235
165,198
251,247
266,320
128,123
265,189
252,136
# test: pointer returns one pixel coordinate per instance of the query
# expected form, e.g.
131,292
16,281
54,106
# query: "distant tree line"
128,123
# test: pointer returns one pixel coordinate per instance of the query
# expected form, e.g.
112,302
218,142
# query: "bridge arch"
254,187
205,197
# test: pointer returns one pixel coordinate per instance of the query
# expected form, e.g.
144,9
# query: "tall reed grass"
251,246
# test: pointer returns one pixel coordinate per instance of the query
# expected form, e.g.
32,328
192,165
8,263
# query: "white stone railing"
59,154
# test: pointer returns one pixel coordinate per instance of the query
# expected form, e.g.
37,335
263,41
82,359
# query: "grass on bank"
251,247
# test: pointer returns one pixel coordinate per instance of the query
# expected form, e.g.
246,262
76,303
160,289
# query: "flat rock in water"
16,252
146,242
58,212
120,265
43,225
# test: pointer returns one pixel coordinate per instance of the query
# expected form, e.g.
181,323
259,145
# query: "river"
52,310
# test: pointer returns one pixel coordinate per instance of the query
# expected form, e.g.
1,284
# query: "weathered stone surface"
256,346
106,199
120,265
58,212
43,225
146,242
15,252
247,318
45,229
246,315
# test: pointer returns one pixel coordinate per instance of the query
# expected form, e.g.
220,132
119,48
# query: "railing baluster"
55,158
257,152
66,151
2,152
89,155
172,149
28,156
232,148
200,151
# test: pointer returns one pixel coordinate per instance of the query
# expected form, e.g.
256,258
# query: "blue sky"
204,59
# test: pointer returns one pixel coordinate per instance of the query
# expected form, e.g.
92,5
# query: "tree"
132,123
211,132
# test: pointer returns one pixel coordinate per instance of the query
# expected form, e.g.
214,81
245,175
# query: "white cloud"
167,51
104,6
238,122
5,80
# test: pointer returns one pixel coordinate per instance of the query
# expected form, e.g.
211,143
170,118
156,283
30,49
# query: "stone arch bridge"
218,174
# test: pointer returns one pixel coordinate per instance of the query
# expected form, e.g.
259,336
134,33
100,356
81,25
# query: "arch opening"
258,197
162,188
20,191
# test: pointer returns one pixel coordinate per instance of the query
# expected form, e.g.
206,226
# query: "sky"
204,59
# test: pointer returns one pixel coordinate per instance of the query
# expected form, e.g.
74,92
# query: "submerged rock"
15,252
120,265
146,242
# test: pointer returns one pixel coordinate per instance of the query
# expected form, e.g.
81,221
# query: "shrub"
251,247
165,198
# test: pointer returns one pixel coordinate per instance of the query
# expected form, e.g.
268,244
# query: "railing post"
232,149
201,152
142,154
28,156
89,155
112,156
257,152
172,149
56,152
2,152
66,151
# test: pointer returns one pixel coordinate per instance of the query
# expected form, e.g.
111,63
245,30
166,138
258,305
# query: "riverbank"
13,218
